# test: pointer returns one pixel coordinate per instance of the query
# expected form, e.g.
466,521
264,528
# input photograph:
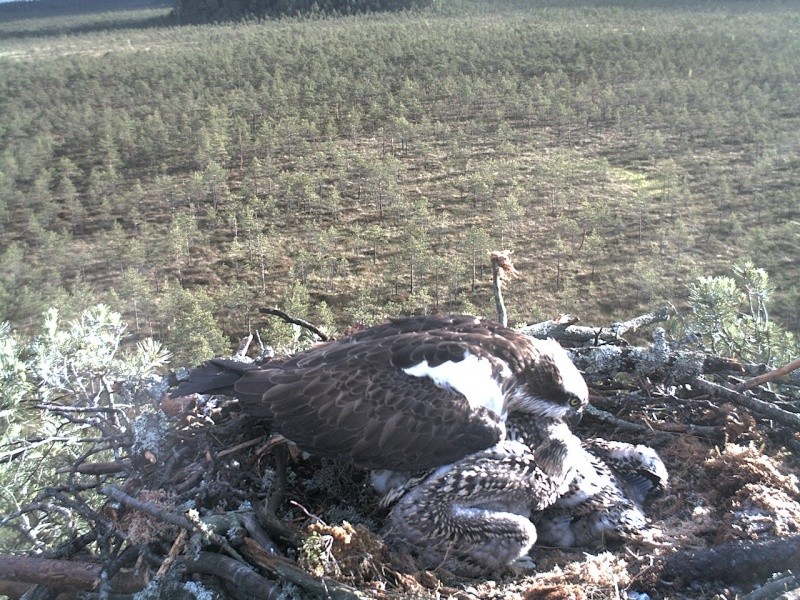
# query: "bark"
234,573
564,329
673,366
287,570
734,562
65,575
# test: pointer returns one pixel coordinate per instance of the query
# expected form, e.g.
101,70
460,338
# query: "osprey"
409,395
423,401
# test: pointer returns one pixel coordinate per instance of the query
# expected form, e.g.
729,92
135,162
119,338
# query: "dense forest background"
352,167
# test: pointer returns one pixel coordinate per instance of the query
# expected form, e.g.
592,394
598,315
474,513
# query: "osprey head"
550,385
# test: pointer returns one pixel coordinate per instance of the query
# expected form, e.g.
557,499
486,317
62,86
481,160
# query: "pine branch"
295,321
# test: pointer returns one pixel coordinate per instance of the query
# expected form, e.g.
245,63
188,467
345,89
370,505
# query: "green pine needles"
733,314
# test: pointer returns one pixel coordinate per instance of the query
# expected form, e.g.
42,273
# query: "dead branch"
80,409
770,376
616,422
564,329
244,345
177,547
742,561
256,531
70,575
234,572
674,366
777,588
294,321
242,446
18,452
766,409
146,507
657,316
99,468
284,569
209,529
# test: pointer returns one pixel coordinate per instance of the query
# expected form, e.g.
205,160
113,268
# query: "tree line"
198,11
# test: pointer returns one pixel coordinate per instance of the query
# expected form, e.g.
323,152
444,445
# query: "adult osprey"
408,395
428,395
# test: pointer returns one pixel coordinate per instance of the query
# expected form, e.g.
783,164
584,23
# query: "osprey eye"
575,401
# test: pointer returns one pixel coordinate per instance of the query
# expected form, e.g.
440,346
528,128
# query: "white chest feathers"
471,377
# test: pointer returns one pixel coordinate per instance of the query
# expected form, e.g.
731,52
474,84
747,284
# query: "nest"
208,500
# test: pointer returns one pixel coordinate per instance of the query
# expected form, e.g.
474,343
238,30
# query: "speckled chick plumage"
472,517
605,489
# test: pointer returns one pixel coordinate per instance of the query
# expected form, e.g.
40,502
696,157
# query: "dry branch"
780,588
674,366
146,507
99,468
766,409
63,574
287,570
770,376
235,573
564,329
295,321
734,562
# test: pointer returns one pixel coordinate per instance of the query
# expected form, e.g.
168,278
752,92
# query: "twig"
771,376
14,454
764,408
294,321
286,569
242,446
146,507
305,511
81,409
177,547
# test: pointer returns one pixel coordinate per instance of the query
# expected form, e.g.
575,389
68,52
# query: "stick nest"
203,494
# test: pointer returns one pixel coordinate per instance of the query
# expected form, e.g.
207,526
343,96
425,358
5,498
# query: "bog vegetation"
347,168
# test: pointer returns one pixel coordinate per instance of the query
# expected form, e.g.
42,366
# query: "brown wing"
351,400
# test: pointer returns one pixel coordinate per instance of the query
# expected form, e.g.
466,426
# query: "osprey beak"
573,418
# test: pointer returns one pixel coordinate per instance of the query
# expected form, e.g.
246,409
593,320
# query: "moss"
346,552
